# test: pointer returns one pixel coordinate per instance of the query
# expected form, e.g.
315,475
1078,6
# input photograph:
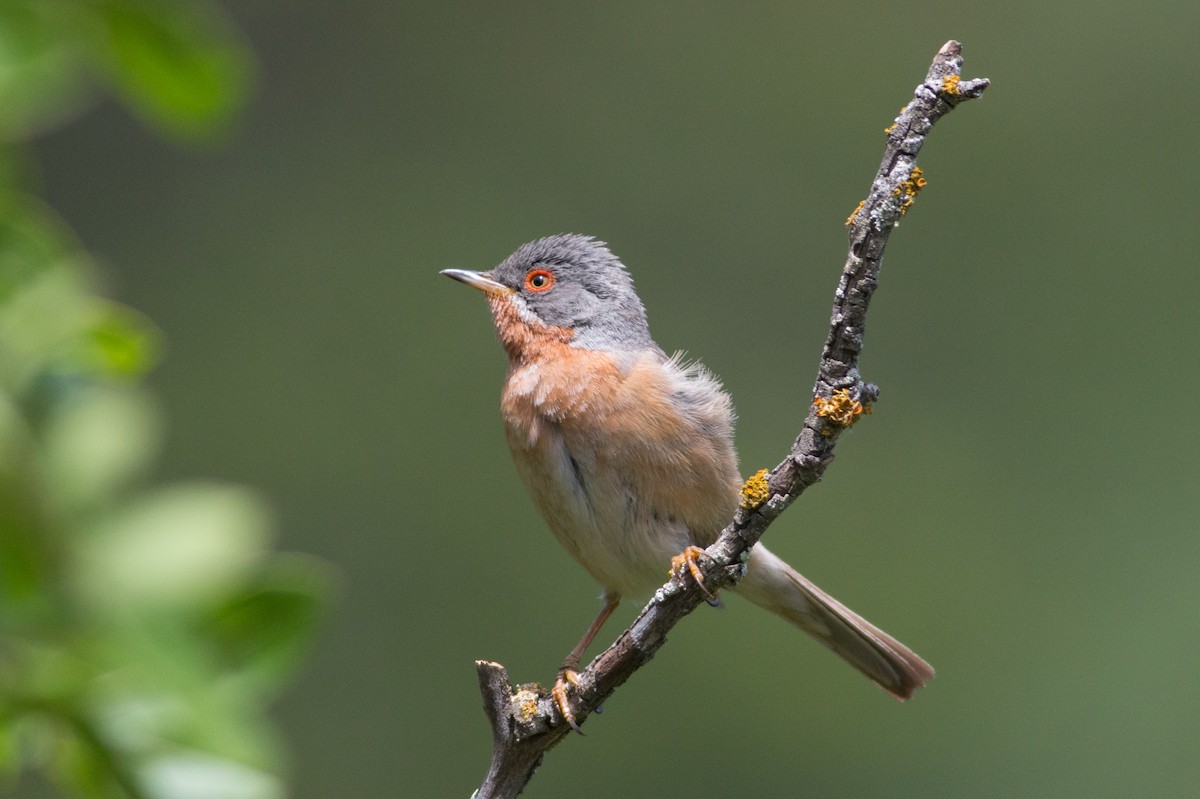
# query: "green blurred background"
1021,509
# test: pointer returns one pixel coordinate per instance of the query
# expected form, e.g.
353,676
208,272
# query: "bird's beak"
478,280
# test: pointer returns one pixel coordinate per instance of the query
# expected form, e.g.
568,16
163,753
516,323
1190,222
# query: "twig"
525,721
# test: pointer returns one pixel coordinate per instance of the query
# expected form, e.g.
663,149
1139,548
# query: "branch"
525,721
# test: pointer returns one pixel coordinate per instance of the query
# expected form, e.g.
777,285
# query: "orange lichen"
756,490
909,189
950,85
840,408
854,213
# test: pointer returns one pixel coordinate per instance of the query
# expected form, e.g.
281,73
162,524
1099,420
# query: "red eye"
539,280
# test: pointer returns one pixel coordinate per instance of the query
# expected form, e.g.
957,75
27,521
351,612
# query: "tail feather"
775,586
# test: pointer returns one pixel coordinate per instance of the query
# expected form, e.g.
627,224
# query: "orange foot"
688,558
559,692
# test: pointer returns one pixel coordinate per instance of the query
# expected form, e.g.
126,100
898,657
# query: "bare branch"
525,721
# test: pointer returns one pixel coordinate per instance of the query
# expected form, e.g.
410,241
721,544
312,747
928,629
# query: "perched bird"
628,453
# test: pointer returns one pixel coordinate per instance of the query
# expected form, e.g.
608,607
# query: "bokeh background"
1021,509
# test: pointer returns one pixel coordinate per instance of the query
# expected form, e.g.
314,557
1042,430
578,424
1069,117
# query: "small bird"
628,453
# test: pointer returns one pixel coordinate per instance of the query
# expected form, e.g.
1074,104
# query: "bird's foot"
566,676
688,559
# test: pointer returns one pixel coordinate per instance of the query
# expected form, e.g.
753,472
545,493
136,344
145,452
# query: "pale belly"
629,462
597,511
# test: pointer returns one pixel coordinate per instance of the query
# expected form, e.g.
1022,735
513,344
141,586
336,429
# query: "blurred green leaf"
32,240
25,551
179,65
139,633
41,79
178,546
230,723
86,763
77,768
50,673
121,342
97,443
140,719
143,716
49,321
195,775
41,322
262,631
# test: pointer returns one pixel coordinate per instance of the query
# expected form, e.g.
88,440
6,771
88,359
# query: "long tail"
775,586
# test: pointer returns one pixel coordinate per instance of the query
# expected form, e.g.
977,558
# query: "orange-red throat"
525,337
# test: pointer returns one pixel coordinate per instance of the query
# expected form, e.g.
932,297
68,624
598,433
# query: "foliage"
142,628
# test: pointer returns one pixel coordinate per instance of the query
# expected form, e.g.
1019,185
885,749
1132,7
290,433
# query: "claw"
559,692
688,558
567,674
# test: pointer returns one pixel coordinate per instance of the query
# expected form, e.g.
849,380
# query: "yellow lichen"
756,490
909,189
854,213
950,85
840,408
526,702
888,130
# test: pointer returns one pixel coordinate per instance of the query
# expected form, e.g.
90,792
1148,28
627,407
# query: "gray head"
569,281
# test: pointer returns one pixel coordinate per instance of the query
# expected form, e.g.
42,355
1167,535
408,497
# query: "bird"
628,453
